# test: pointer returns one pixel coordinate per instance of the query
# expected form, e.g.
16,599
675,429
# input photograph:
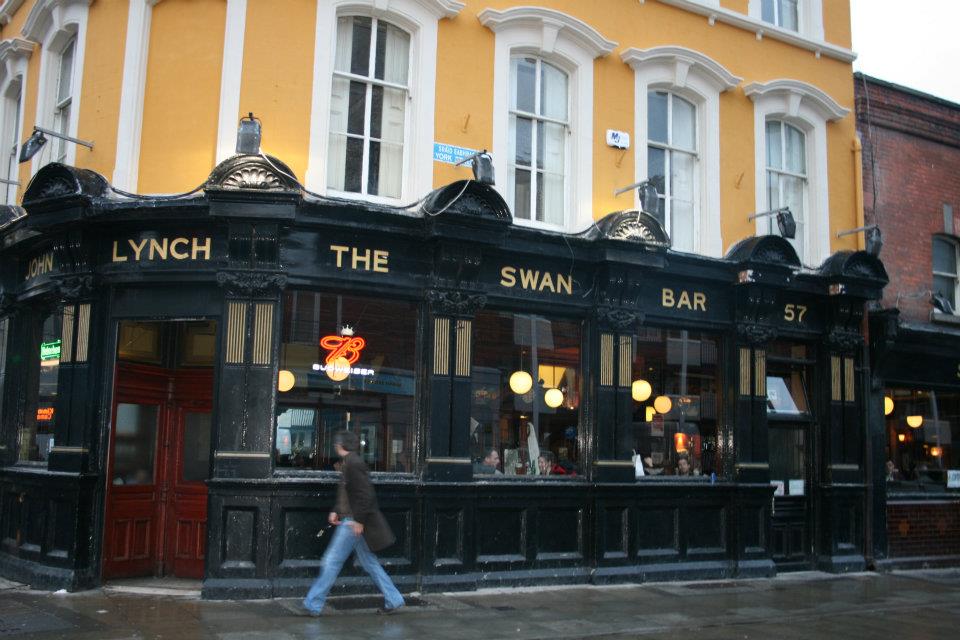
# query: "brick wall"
923,529
911,161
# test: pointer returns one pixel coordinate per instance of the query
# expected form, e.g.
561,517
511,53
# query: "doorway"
160,431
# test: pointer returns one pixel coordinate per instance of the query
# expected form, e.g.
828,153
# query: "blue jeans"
344,541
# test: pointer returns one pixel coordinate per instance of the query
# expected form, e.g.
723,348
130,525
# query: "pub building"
175,368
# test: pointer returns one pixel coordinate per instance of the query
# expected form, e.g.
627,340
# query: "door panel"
186,536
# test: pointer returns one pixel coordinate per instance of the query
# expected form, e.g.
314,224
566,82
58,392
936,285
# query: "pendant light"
553,398
640,390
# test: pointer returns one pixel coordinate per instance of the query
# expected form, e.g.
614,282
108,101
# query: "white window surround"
230,79
700,79
8,8
571,45
809,109
14,57
809,17
810,38
51,24
419,18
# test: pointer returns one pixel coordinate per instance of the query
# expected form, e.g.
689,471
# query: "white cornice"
550,23
43,14
795,92
762,29
15,48
7,9
683,60
439,8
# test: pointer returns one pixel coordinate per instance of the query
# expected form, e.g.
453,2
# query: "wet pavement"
901,605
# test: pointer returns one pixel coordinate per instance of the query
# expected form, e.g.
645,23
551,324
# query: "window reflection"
367,386
789,371
40,415
675,417
921,427
525,395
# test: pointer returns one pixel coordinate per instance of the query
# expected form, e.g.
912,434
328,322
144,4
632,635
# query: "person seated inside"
490,464
684,468
893,474
547,464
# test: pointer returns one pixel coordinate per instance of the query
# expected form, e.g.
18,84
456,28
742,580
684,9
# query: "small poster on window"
796,487
779,484
953,479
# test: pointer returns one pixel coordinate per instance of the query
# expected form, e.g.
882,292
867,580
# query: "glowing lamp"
887,405
553,398
640,390
680,442
914,421
902,437
936,452
662,404
285,380
650,413
339,369
521,382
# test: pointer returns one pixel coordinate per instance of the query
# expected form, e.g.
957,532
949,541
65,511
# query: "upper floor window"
539,126
782,13
672,163
787,176
64,98
12,117
368,107
945,277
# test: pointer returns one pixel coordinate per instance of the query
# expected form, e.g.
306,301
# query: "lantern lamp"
936,452
902,437
553,398
640,390
663,404
521,382
285,380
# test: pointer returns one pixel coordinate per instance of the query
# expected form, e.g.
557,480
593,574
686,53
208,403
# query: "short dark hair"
549,457
347,439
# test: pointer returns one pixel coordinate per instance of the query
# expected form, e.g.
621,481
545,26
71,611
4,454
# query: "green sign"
50,350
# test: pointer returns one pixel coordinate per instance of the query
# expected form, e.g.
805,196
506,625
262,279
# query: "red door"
156,506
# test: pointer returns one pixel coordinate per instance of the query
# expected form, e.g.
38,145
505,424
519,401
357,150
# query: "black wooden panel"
230,408
300,529
559,531
657,531
36,521
62,519
501,534
753,529
614,538
259,411
705,528
239,533
401,522
448,536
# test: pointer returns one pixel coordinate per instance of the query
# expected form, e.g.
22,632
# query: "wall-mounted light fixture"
38,138
873,239
649,196
786,223
248,135
482,165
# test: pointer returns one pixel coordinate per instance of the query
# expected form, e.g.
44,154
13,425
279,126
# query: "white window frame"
419,18
954,276
52,24
810,110
14,57
571,45
802,221
671,151
809,18
700,80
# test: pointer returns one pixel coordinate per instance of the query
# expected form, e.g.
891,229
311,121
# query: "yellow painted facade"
183,93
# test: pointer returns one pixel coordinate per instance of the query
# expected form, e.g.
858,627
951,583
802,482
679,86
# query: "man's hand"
357,528
333,518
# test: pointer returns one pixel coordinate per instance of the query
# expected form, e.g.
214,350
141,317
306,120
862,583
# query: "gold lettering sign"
692,301
794,312
536,280
165,248
361,259
39,265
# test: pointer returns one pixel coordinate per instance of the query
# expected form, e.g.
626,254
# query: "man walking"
359,528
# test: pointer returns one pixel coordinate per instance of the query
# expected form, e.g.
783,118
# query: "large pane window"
39,418
945,270
539,126
63,103
672,163
787,177
676,393
368,107
346,362
11,136
782,13
789,372
921,427
525,395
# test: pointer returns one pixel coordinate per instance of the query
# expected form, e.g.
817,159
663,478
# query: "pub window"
789,415
945,280
922,425
675,385
525,395
787,177
346,362
672,164
368,112
39,418
539,127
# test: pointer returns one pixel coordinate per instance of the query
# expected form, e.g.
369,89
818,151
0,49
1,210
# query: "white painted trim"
809,17
50,24
126,168
8,9
14,59
230,78
806,112
417,17
699,79
795,92
573,46
810,39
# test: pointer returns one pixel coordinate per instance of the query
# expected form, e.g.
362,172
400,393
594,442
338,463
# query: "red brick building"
911,186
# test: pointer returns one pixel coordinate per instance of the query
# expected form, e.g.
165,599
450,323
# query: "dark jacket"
356,499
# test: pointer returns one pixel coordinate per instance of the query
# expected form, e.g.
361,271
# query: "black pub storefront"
175,369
